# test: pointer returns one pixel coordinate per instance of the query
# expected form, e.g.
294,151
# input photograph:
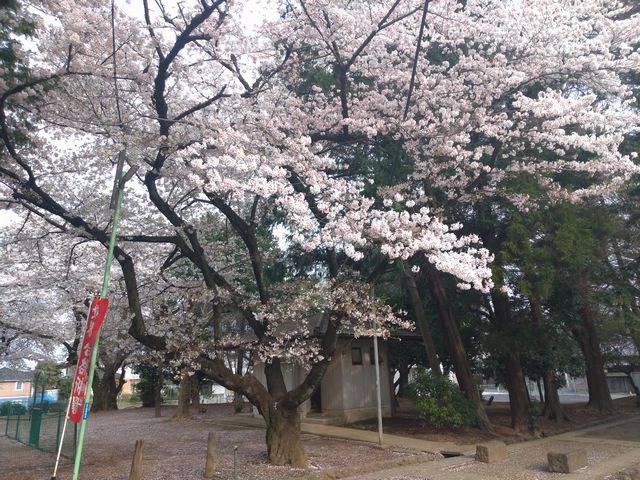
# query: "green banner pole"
118,190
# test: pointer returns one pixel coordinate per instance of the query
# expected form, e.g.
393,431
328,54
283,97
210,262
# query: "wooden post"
136,465
209,469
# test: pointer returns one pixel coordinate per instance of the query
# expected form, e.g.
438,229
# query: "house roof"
11,375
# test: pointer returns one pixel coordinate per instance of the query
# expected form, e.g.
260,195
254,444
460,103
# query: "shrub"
9,408
440,401
129,398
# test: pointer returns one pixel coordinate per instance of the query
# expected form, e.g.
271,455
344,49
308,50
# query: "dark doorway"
316,401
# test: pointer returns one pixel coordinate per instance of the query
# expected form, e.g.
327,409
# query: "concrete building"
347,392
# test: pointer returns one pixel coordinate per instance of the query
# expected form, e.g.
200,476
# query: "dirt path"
176,450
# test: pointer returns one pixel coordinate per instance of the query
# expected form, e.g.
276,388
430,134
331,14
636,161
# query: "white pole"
377,362
64,429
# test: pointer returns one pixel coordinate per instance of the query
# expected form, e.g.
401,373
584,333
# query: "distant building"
15,385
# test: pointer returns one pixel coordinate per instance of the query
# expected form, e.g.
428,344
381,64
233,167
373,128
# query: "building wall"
619,383
347,390
8,392
351,391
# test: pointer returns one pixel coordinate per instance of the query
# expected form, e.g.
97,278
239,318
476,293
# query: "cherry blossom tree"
45,298
256,129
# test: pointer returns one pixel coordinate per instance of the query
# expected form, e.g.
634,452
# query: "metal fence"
40,428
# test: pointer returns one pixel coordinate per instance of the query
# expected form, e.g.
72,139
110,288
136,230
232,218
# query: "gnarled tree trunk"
105,394
106,388
454,342
284,445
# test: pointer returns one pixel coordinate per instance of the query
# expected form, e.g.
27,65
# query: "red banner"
97,311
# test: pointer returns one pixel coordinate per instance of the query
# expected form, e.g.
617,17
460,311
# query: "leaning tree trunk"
423,324
284,445
183,410
454,342
518,395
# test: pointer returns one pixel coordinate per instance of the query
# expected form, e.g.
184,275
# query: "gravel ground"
530,463
631,473
176,450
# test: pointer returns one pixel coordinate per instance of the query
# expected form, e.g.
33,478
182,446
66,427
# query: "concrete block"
568,461
491,452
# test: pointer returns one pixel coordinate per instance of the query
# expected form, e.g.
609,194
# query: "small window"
372,356
356,356
18,386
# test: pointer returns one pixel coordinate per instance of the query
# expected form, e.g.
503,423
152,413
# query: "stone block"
568,461
491,452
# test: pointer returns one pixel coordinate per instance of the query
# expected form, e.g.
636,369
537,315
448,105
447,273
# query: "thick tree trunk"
423,324
276,404
589,342
284,445
105,392
454,343
183,410
552,408
195,395
514,375
587,338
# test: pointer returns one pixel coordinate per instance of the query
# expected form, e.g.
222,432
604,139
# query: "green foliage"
130,397
440,401
64,387
13,26
9,408
145,389
52,373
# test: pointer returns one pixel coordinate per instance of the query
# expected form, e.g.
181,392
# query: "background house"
15,385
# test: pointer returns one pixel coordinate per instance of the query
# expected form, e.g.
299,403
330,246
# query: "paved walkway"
610,448
344,433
